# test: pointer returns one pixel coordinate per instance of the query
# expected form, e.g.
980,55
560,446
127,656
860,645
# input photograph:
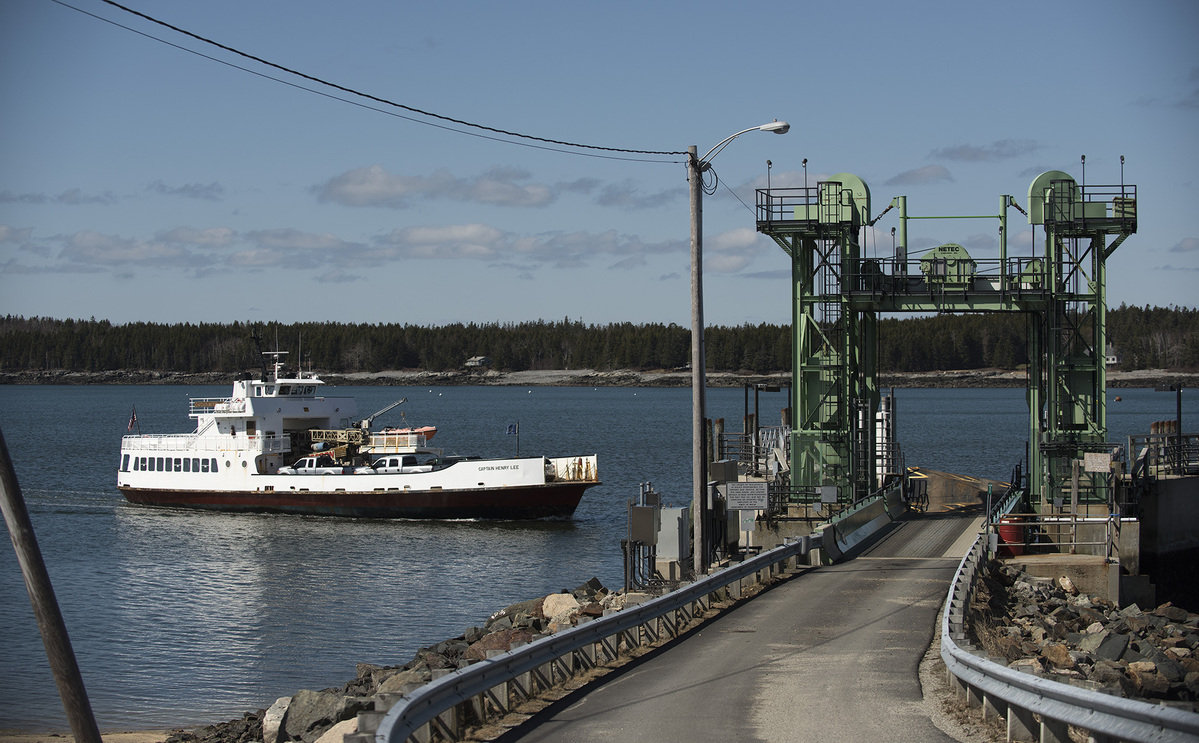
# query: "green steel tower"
837,295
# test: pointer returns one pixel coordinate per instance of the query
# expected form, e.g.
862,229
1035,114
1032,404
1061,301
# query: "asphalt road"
830,655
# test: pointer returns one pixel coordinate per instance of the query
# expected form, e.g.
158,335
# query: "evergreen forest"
1144,338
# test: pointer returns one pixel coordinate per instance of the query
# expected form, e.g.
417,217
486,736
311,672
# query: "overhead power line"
368,96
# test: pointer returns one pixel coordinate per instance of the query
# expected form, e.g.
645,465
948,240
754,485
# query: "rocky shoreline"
326,715
1048,628
584,378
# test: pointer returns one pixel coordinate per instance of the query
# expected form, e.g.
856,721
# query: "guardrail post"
542,677
566,668
1054,731
521,684
1020,724
448,720
500,694
608,646
974,698
993,708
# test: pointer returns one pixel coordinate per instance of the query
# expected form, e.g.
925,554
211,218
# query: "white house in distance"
1111,356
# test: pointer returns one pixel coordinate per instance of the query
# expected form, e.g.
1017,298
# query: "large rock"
530,608
338,732
311,713
398,683
1171,612
501,640
1058,656
1148,681
560,609
273,718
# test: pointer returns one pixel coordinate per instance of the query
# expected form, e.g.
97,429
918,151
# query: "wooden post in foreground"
45,606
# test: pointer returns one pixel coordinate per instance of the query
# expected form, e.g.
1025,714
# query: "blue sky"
142,182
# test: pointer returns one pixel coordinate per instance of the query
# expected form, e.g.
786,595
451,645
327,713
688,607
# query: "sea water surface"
183,618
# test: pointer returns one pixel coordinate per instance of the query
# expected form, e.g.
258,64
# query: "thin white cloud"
1186,245
337,276
70,197
451,241
10,234
625,195
732,251
376,187
922,176
1003,149
12,267
94,248
214,237
981,242
205,191
479,241
630,263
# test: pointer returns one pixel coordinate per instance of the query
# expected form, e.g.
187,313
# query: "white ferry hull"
242,457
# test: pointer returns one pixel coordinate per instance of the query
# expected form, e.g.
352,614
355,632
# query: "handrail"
409,714
1058,704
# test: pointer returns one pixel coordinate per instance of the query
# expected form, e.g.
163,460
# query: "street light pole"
696,167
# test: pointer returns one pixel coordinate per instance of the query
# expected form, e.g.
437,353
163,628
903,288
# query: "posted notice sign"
747,496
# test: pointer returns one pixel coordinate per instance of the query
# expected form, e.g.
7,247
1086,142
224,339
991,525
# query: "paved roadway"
829,655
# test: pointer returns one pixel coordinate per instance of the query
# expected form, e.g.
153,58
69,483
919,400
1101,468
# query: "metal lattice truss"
837,295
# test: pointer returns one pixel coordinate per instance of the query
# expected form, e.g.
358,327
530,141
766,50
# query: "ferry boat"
280,444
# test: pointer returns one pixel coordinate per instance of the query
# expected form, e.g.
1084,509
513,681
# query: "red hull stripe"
555,500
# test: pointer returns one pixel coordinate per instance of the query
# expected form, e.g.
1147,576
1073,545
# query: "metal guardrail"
440,702
1023,697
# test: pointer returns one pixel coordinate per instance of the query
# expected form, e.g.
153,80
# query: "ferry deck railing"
198,406
576,469
174,442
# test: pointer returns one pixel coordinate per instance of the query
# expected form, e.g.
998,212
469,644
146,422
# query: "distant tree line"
1146,338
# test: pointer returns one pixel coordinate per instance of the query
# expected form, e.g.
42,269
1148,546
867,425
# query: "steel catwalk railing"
1022,695
432,700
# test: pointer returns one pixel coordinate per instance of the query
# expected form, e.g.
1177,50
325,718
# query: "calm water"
182,618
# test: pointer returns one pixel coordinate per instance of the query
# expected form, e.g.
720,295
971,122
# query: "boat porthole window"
243,464
228,464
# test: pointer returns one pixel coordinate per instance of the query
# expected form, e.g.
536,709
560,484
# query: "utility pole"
45,606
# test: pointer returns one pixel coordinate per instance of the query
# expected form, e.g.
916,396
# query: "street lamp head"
776,126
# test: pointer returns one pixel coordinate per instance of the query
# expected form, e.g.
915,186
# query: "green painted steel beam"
837,295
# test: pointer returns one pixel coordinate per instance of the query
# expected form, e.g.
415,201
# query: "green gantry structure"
837,295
